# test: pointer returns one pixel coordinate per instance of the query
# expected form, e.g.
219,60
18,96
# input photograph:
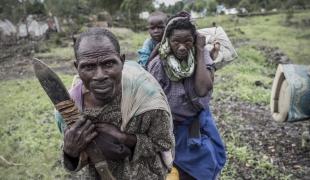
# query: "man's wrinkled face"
100,67
156,27
181,42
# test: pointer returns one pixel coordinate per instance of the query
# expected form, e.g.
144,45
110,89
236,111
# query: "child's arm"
154,53
144,52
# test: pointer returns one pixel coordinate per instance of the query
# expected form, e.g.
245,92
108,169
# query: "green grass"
258,166
238,79
262,30
271,31
29,135
130,43
242,162
58,53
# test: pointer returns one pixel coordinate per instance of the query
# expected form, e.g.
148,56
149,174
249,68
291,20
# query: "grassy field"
273,31
238,79
29,136
30,140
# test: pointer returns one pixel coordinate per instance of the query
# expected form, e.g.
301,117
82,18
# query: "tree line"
249,5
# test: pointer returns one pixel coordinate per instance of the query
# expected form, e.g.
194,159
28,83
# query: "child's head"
156,25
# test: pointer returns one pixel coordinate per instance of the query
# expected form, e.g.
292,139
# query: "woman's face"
100,67
181,42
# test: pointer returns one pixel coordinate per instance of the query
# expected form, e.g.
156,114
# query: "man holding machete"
124,112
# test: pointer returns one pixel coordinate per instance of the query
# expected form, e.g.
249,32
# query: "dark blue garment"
207,157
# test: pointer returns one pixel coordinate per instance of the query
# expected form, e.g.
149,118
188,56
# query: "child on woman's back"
156,26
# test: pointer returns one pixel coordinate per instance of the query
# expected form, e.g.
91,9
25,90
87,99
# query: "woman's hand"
215,51
200,41
78,136
203,81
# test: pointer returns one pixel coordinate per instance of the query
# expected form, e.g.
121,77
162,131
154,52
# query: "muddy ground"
16,61
281,142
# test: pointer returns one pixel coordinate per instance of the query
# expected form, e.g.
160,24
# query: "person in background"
184,69
156,25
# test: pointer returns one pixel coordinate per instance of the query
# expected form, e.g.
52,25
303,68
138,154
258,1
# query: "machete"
60,97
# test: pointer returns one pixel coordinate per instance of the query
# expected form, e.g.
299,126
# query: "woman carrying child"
185,70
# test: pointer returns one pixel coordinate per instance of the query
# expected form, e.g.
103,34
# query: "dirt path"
16,61
281,142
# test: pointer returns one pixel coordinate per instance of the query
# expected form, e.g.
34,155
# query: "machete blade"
58,93
50,82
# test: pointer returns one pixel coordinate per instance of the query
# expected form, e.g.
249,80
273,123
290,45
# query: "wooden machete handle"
71,114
